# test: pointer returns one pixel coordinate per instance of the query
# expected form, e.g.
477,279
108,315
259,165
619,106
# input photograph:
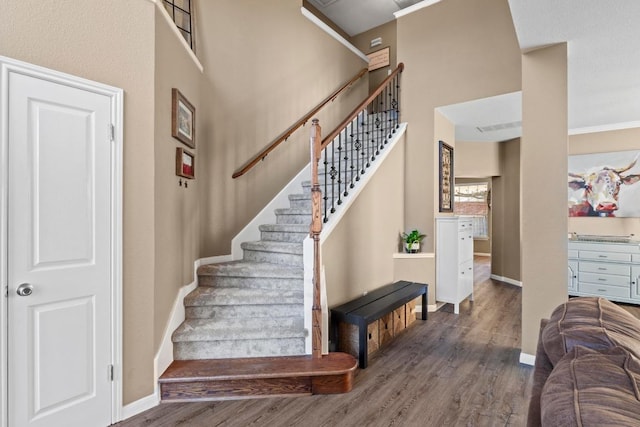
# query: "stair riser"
274,283
293,219
278,236
198,391
244,311
238,348
294,260
289,297
300,203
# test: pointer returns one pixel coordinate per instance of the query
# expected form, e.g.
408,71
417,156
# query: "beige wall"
266,66
362,41
544,209
177,208
454,51
477,159
358,255
619,140
417,268
505,211
113,43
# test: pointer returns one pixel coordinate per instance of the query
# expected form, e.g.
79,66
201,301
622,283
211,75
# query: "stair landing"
257,377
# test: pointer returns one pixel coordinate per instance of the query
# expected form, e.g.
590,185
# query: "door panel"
59,242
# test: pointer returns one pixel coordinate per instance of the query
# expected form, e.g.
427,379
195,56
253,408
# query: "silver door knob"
25,289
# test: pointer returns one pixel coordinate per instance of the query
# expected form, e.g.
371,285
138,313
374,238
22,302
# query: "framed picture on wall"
183,119
446,184
185,163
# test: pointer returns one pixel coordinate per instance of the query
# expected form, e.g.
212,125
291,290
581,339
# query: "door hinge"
112,133
110,372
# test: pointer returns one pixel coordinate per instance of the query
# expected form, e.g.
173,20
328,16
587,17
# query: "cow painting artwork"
604,184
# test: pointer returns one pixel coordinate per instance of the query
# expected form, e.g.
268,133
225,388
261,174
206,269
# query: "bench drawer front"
411,312
386,328
373,338
399,320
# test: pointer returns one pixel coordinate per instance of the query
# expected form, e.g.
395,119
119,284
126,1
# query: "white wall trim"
481,254
8,66
404,255
327,29
175,31
267,215
140,405
506,280
527,359
604,128
415,7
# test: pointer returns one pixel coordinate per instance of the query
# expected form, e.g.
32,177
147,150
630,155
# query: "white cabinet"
454,260
606,269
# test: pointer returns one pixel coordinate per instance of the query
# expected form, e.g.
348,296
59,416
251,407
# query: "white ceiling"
603,60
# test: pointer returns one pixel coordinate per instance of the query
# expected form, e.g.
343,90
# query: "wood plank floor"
453,370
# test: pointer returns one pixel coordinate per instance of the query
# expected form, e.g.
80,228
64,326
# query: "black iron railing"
348,151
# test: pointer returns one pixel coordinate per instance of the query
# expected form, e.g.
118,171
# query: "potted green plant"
412,241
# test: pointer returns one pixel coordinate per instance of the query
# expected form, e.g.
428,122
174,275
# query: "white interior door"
59,215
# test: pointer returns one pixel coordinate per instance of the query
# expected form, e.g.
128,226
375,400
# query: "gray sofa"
587,368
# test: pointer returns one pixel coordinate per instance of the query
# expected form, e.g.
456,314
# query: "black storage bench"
373,313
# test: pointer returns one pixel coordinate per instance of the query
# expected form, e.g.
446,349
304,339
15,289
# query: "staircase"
244,330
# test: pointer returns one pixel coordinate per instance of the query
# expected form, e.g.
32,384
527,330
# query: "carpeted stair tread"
243,268
286,228
207,295
212,330
275,247
294,211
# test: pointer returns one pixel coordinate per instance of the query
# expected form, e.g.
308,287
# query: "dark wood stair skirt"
249,378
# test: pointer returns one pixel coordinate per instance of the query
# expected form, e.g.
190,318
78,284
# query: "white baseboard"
140,405
506,280
527,359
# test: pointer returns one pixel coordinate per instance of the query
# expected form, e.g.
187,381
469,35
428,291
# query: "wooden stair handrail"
287,133
327,140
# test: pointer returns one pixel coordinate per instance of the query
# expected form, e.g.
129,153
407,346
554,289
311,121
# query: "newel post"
316,228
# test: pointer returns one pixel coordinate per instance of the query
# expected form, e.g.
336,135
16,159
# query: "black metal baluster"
339,168
325,192
378,125
333,173
351,147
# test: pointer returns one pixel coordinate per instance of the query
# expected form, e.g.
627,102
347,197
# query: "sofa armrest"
542,369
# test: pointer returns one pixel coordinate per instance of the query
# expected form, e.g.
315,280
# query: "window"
472,200
180,12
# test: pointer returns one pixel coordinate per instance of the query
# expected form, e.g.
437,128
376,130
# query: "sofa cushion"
590,322
591,388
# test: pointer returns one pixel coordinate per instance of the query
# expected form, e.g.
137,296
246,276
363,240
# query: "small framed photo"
185,163
183,119
446,177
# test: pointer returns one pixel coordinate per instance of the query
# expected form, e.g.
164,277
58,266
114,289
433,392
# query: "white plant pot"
413,248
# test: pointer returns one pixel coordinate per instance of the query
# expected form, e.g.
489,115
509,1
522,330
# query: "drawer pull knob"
602,279
602,269
602,290
602,256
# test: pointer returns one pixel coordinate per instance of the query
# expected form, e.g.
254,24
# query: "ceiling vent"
500,126
324,3
406,3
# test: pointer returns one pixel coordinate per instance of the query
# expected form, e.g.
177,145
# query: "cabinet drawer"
635,258
465,225
605,256
599,267
573,253
604,290
604,279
